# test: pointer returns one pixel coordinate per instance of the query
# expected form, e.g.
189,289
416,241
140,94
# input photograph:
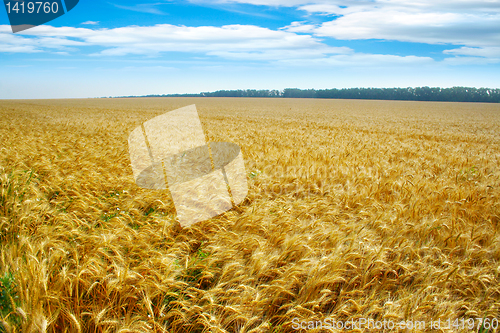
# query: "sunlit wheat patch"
355,209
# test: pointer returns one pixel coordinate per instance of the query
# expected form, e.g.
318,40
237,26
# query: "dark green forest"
455,94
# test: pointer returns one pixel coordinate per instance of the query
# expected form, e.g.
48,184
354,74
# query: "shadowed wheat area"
356,209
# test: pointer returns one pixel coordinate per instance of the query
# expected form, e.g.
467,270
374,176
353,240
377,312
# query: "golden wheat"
356,209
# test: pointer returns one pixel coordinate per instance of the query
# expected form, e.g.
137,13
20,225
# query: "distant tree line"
455,94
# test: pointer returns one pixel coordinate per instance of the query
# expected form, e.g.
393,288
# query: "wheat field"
357,210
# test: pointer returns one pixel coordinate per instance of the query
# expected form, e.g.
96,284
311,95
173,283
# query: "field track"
383,210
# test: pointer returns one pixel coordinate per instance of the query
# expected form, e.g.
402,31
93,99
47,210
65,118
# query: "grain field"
383,211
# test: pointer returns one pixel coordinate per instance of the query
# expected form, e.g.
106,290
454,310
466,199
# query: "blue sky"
117,48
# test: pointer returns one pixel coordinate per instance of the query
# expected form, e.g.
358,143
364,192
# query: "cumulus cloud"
10,43
231,41
419,27
471,28
469,23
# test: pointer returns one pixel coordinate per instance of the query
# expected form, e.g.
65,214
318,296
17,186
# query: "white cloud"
470,23
473,26
460,61
279,55
419,27
9,48
366,60
90,22
487,52
275,3
300,27
342,6
473,56
323,8
15,43
229,42
232,42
